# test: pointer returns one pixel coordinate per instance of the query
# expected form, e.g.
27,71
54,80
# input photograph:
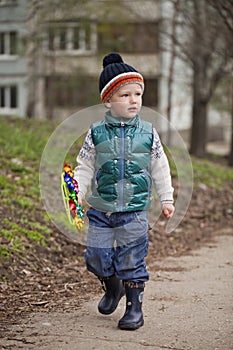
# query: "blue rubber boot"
133,317
114,291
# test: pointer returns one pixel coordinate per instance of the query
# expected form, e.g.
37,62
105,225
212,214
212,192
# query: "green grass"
23,219
23,222
23,139
211,173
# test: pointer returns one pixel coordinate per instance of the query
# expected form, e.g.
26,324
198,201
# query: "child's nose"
133,99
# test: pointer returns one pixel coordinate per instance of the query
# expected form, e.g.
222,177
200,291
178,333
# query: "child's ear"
107,104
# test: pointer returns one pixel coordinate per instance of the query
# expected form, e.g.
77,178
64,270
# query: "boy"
120,158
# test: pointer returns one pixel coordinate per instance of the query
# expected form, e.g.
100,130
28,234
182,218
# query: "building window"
8,97
69,92
8,43
129,37
77,38
150,96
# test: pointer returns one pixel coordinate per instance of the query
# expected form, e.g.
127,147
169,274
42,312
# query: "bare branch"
225,11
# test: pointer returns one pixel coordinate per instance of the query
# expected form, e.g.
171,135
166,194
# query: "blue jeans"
117,244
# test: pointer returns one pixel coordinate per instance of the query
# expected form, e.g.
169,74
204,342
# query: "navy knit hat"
115,74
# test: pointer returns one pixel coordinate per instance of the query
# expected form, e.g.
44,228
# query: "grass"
24,223
23,139
21,145
212,173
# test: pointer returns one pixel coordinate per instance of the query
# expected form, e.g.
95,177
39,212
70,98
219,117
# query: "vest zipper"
122,155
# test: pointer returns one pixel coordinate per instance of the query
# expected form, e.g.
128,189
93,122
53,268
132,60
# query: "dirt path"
188,305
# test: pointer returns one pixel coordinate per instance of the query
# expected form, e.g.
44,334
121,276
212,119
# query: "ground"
54,277
187,305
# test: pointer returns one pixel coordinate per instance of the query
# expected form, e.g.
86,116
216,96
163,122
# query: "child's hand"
168,210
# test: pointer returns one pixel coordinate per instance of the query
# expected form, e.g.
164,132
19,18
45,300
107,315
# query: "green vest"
122,180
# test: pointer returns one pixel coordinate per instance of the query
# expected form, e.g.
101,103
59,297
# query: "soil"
54,278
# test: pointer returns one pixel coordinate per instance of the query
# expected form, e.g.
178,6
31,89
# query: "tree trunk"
199,129
230,159
31,61
171,72
199,115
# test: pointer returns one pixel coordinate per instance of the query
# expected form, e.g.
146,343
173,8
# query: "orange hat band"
120,80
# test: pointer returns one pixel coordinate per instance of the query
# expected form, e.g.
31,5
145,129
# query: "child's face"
126,102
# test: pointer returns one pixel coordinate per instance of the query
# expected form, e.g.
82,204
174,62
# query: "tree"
32,56
203,40
211,52
171,69
225,10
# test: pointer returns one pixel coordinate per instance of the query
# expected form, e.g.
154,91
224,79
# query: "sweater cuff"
167,198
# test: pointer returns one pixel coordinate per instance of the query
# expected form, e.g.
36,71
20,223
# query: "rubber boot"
114,291
133,317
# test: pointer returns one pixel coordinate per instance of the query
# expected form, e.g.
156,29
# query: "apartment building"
57,71
13,68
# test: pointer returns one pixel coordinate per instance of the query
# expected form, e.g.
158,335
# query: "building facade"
56,72
51,57
74,46
13,67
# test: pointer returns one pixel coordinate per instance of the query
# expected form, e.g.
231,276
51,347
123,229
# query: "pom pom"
112,58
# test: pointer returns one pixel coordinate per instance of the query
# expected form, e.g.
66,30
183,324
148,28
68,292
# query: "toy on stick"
70,190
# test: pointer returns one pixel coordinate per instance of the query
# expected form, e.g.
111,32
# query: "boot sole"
131,326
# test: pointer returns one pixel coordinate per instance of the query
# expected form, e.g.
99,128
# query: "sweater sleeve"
84,171
160,171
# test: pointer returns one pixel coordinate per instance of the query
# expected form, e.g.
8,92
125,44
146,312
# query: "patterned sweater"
160,170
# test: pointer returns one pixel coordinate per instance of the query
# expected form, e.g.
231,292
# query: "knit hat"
115,74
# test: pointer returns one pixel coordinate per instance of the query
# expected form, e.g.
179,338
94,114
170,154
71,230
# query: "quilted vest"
122,180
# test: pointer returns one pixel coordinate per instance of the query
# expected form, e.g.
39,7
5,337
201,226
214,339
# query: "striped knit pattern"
118,81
